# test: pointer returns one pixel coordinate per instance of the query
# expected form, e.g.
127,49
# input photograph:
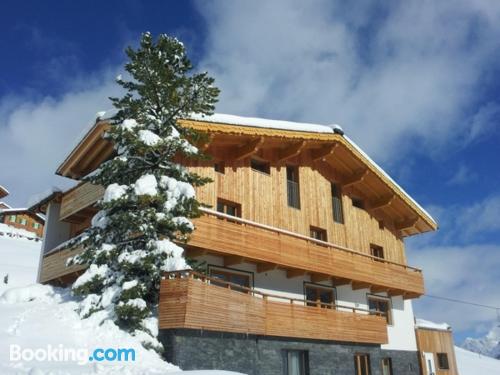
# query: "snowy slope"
36,316
470,363
488,345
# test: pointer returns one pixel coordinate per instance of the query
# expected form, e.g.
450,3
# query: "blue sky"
416,84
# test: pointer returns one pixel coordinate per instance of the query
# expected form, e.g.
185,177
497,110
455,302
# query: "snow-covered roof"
421,323
221,118
3,191
4,204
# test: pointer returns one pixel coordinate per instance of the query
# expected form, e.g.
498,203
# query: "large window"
292,186
228,207
338,213
12,218
386,366
241,278
318,295
443,361
381,305
362,364
296,362
260,166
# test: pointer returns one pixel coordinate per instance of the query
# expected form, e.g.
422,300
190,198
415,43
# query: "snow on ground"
470,363
488,345
34,316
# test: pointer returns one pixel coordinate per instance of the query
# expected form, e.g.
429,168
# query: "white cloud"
389,75
36,135
468,273
461,176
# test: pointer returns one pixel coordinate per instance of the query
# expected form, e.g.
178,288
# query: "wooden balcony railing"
194,301
79,198
261,243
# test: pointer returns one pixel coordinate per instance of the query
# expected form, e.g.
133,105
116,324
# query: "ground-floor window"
319,295
362,364
443,361
296,362
233,276
386,366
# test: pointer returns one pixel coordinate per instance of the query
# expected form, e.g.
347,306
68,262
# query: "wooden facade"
196,304
437,342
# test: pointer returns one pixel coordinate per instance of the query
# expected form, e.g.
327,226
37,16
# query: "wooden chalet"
304,245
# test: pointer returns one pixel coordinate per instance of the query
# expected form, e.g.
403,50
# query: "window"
260,166
296,362
12,218
377,251
317,293
443,361
338,214
381,225
318,233
228,208
220,167
292,186
386,366
362,364
36,225
358,203
23,221
241,278
381,305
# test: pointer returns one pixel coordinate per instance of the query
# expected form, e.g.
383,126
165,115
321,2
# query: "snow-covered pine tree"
149,198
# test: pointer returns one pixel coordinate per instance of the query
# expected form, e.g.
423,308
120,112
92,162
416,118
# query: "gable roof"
3,192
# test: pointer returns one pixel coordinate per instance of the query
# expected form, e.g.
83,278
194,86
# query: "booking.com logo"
61,354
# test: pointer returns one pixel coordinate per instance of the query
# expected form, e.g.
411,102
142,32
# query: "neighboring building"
436,348
3,192
307,271
22,218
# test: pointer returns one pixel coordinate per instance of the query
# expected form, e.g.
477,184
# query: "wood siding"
54,265
79,198
263,199
434,341
30,221
189,303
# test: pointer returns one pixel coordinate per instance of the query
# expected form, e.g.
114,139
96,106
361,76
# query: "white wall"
55,232
401,333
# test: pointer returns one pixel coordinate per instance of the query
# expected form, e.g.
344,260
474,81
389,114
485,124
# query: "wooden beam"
318,278
190,252
247,149
359,285
393,293
406,224
382,203
337,281
355,178
323,152
265,267
231,260
295,273
289,152
379,289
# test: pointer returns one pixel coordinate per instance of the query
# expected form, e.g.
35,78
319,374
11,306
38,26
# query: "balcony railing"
195,301
262,243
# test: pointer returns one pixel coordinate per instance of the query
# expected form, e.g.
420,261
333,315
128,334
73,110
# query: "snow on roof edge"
422,323
8,205
4,189
306,127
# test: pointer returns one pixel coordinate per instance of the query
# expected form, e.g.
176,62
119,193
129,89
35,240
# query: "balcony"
267,246
191,300
76,203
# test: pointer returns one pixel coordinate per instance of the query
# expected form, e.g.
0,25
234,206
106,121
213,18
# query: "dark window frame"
367,361
442,361
308,284
323,234
305,360
389,359
227,203
235,271
376,250
293,186
389,316
337,206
